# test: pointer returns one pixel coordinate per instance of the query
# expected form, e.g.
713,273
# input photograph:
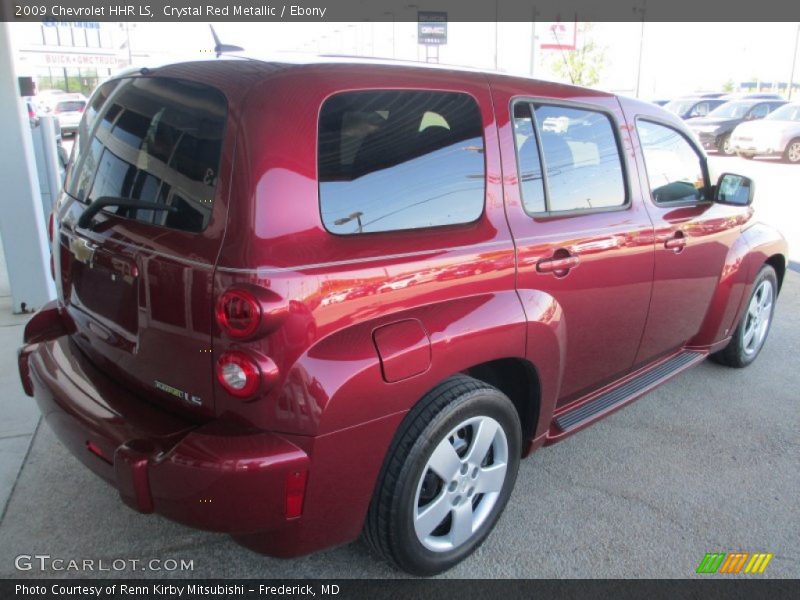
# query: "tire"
457,418
724,147
792,152
753,329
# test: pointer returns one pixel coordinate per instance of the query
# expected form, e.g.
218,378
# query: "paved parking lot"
709,462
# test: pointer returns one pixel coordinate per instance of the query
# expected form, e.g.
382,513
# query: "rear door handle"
676,243
559,265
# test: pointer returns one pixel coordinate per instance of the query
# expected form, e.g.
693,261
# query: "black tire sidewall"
409,551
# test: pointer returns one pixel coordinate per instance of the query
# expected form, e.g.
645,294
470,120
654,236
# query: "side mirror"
737,190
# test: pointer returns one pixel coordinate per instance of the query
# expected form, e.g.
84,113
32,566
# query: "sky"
677,58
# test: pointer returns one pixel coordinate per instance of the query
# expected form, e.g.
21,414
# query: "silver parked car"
777,134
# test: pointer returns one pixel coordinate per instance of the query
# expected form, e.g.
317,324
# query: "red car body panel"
356,329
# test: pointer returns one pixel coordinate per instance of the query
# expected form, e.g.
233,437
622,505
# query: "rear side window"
71,106
399,160
578,153
157,140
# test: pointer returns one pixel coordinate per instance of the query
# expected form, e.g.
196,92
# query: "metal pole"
496,33
641,11
794,60
534,14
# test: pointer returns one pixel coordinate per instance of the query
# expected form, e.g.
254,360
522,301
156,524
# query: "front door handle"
676,243
559,265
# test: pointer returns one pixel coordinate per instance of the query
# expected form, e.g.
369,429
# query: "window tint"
674,169
156,140
581,158
399,160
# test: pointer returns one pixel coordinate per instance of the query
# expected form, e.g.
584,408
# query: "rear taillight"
31,114
239,374
238,313
51,227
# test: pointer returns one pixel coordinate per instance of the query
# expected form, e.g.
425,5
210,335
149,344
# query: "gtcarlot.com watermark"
46,562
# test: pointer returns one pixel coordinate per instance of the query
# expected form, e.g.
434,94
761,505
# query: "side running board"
627,391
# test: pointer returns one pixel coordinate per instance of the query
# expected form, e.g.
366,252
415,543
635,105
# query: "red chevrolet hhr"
302,302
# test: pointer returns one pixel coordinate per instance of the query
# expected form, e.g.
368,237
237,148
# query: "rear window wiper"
100,203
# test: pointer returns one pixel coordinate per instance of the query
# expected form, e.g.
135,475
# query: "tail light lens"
238,313
51,227
239,374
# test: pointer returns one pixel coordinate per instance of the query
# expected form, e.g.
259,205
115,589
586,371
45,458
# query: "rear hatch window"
138,280
70,106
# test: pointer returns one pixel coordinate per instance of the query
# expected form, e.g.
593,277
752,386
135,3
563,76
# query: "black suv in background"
714,130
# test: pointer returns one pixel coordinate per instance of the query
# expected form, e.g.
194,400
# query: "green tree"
728,86
583,65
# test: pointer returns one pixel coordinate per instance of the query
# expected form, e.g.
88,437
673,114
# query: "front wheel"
447,478
792,153
752,331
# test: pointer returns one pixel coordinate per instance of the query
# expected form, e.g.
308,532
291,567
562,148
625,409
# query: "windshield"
788,112
679,107
731,110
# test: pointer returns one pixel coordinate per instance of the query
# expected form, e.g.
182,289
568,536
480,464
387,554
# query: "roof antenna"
221,48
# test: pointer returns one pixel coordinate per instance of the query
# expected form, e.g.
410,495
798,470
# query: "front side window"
674,168
581,158
399,160
759,111
157,140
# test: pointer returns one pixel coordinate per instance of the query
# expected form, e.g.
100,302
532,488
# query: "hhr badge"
185,396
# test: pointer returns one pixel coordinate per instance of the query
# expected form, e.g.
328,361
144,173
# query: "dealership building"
73,57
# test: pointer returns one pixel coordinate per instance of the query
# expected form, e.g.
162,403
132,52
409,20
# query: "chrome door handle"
676,242
559,265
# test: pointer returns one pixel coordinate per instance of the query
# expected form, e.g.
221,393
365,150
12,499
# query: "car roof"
284,61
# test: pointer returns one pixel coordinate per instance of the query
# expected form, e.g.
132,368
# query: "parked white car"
69,113
777,134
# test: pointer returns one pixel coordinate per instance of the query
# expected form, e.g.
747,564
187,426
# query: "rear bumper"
212,476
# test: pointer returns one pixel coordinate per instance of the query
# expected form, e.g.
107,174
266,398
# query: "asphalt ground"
709,462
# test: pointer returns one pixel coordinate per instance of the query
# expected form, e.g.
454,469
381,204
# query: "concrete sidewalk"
20,416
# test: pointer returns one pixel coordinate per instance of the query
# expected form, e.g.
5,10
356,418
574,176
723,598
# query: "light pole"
640,10
496,32
794,60
394,35
534,14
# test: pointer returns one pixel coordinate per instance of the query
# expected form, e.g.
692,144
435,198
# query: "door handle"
676,243
559,265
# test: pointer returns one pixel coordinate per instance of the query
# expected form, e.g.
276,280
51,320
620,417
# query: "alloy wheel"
759,313
460,484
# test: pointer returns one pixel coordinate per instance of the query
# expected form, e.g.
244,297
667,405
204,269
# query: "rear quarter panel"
457,281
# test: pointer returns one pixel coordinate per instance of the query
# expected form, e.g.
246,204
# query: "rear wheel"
752,331
447,478
792,153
